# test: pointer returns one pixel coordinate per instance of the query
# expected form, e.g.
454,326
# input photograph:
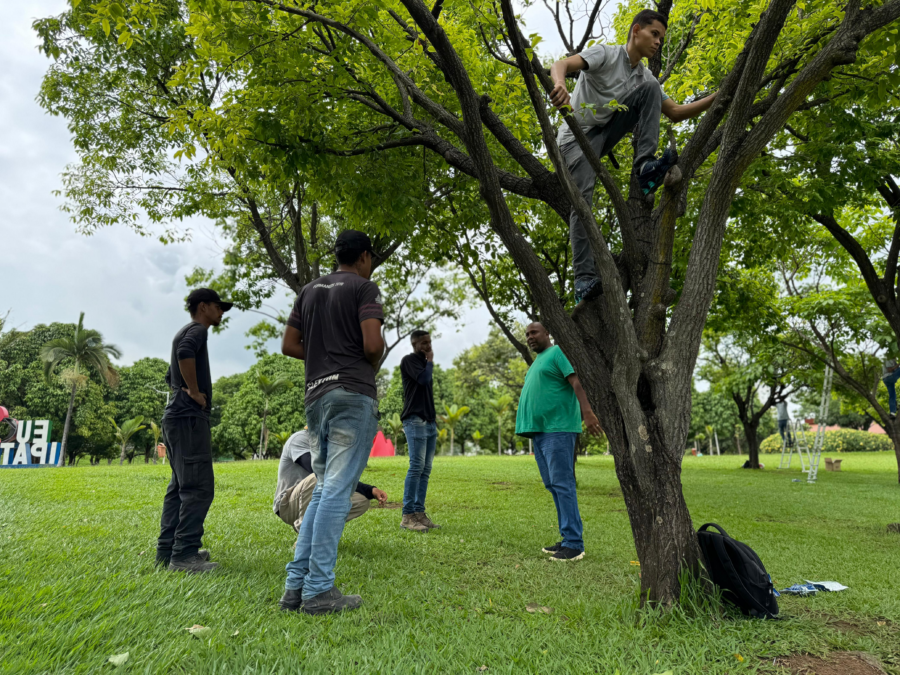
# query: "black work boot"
292,600
195,564
164,560
330,602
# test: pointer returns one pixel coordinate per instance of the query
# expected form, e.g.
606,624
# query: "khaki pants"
295,502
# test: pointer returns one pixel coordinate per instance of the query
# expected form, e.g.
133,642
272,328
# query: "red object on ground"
4,413
382,447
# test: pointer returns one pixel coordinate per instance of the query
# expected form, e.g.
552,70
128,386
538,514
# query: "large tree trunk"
751,433
65,440
262,431
122,455
663,531
893,430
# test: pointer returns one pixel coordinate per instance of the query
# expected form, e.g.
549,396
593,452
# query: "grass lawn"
77,581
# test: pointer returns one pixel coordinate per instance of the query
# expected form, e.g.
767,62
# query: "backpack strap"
704,528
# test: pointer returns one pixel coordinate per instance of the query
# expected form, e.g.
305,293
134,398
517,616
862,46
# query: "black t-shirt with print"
328,312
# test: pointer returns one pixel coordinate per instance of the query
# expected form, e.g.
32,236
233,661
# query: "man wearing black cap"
186,435
335,327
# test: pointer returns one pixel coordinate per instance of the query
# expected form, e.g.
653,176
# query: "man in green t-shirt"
551,408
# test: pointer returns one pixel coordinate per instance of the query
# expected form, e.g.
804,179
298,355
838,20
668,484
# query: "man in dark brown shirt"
335,327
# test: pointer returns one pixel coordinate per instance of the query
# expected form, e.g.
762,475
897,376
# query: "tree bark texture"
68,424
893,430
751,433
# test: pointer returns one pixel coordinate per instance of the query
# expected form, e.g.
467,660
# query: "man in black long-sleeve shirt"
186,434
420,429
296,482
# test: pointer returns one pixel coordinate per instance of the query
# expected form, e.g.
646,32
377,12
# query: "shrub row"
842,440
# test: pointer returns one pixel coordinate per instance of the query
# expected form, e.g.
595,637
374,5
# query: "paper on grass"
827,585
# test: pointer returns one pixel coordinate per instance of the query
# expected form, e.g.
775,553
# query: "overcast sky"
131,288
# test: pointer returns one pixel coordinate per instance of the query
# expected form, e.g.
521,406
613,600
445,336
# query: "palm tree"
476,437
156,432
454,414
282,437
124,433
10,336
269,388
500,406
394,426
87,349
442,438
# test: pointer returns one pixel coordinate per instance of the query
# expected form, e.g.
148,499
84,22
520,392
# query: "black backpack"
737,570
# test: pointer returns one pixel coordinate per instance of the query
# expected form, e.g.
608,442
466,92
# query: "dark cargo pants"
190,492
644,108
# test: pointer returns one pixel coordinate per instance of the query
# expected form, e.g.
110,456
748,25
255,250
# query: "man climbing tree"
614,93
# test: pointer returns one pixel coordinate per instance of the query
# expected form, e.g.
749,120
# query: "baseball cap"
207,295
352,240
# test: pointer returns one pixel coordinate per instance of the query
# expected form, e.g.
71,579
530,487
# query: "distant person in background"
551,408
890,373
784,420
296,482
419,425
186,435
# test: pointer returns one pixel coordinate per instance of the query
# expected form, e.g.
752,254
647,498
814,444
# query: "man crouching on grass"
297,481
551,407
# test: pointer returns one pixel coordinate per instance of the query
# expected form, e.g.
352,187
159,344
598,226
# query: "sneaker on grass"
552,549
331,602
410,521
565,553
651,175
426,521
291,601
164,560
195,564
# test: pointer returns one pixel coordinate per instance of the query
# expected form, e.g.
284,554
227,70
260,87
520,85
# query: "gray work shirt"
608,76
289,471
889,364
781,409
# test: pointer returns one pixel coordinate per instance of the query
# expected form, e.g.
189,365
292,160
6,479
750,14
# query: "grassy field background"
77,581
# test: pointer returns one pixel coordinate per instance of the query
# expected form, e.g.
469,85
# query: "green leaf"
118,659
199,631
106,27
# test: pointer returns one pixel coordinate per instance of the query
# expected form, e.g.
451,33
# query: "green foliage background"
842,440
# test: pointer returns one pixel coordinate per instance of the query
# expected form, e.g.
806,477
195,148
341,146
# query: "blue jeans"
342,426
555,455
421,437
890,381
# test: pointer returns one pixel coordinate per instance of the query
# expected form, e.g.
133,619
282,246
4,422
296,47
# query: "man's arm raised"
558,71
680,112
